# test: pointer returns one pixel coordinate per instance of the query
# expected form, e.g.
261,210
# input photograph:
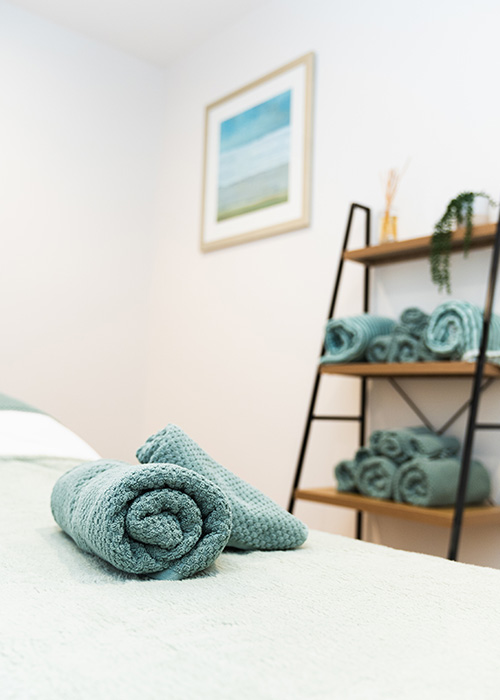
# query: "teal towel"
424,482
378,349
399,346
346,470
257,522
347,339
143,519
375,477
404,444
413,321
455,329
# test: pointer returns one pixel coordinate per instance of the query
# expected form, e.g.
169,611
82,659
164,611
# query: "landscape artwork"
257,158
254,158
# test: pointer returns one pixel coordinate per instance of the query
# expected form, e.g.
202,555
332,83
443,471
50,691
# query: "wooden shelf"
414,248
473,515
409,369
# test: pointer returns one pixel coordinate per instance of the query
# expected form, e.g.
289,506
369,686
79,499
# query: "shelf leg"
359,524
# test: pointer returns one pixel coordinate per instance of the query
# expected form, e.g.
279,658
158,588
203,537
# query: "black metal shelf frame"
471,404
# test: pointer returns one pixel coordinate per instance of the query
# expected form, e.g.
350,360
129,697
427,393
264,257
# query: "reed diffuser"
388,230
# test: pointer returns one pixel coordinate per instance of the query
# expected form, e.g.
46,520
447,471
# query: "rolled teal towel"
143,519
424,482
375,477
347,339
408,348
346,470
399,346
455,329
378,349
406,443
413,321
257,522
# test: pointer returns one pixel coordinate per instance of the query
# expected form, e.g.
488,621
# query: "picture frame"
257,158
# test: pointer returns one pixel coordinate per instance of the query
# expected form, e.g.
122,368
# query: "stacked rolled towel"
406,443
424,482
346,471
144,519
375,477
413,321
455,329
257,522
405,343
347,339
375,470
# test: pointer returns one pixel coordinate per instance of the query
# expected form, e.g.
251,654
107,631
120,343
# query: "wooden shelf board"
409,369
414,248
473,515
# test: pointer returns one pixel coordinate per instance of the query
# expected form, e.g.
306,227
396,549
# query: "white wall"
235,334
80,148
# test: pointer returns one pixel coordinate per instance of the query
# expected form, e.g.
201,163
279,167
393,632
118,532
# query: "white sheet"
335,619
37,435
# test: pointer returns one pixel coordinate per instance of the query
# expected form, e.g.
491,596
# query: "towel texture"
143,519
455,329
424,482
399,346
257,522
375,477
402,445
413,321
347,339
346,470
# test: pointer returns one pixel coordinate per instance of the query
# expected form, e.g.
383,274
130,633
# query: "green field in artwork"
254,158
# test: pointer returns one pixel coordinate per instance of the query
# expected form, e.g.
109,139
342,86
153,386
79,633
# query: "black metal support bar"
411,403
359,524
309,420
353,418
476,389
487,426
462,409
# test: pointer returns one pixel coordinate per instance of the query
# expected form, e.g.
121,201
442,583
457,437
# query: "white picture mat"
294,80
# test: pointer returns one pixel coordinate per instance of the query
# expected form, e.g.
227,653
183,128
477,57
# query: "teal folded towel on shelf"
347,339
346,471
375,477
406,443
143,519
413,321
455,329
424,482
257,522
398,347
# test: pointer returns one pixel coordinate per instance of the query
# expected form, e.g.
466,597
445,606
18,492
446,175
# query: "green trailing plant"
458,213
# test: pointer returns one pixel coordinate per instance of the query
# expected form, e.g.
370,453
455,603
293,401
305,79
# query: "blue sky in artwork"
255,122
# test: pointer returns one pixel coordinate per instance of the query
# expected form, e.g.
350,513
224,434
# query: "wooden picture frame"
257,158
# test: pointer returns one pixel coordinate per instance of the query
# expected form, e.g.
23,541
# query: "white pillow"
26,434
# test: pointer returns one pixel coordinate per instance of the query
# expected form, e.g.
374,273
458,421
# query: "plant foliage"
458,212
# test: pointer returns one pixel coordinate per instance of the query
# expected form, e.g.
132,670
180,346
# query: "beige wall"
79,155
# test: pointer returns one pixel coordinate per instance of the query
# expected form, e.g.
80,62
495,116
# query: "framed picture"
257,158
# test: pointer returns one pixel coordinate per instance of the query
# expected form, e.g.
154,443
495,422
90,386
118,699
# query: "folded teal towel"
455,329
346,470
375,477
404,444
424,482
347,339
143,519
399,346
413,321
257,522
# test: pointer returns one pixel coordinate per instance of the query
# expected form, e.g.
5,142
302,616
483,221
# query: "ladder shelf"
480,372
